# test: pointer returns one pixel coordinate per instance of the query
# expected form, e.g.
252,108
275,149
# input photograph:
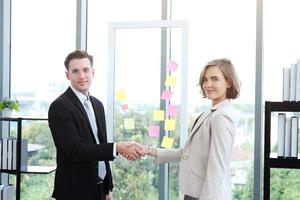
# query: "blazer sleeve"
168,155
222,130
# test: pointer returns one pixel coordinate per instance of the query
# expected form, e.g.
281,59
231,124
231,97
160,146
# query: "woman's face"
215,85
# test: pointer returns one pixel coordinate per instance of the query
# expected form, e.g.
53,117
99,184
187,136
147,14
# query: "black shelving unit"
30,169
270,161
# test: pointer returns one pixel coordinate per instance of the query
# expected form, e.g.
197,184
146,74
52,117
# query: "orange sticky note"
121,95
170,124
158,115
129,123
171,81
167,142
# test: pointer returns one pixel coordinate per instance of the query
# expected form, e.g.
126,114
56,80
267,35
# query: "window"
43,33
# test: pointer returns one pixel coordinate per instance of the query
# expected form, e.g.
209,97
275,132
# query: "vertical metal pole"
81,25
5,29
163,168
258,102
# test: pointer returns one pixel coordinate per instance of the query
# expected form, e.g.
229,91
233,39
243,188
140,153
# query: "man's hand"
131,150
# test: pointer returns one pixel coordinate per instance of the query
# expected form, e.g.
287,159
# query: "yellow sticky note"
171,81
129,123
167,142
121,95
158,115
170,124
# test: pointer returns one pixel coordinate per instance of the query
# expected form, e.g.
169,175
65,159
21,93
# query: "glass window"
43,33
220,29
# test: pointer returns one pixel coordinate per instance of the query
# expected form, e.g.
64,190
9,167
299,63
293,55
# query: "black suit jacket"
77,151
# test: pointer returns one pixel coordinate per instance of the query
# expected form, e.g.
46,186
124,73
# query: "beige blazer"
204,160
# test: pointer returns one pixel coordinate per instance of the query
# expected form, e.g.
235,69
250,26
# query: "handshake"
133,150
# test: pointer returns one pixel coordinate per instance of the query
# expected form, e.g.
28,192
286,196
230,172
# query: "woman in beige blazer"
204,172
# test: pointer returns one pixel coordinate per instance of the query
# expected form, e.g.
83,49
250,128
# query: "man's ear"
67,74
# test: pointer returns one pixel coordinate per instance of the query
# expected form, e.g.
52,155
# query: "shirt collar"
80,96
221,104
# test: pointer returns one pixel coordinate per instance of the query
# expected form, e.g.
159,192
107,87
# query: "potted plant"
7,106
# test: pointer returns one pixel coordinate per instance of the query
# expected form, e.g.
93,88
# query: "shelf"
285,106
284,163
39,170
21,118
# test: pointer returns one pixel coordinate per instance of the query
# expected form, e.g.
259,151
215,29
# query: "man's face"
80,74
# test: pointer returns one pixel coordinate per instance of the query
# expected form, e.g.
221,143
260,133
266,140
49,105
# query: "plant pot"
6,112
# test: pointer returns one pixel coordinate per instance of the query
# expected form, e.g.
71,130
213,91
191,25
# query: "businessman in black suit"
77,123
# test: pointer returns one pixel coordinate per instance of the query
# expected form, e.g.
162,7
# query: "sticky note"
172,66
166,95
153,131
121,95
171,81
170,124
129,123
125,107
172,110
167,142
158,115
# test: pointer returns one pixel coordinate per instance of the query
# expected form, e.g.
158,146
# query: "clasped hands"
132,150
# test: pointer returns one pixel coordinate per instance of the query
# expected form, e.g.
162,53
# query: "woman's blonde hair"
228,72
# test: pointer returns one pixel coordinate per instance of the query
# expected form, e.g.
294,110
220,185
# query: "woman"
204,172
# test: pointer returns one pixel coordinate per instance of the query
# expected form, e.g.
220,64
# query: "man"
77,123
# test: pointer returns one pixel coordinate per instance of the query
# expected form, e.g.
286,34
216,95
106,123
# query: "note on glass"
129,123
167,142
153,131
172,66
170,124
172,110
125,107
171,81
121,95
166,95
158,115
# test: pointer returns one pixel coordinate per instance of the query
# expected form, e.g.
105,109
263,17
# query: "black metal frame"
276,162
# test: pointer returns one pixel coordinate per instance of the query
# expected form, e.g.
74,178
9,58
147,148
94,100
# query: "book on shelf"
287,138
281,134
7,192
293,82
286,84
4,152
9,153
298,81
294,137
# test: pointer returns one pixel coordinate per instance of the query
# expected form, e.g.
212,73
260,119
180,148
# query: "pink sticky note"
125,106
153,131
172,66
172,110
166,95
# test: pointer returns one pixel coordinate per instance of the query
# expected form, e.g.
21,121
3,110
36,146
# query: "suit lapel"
98,121
199,122
79,105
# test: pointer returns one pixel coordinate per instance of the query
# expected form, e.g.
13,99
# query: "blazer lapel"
199,122
98,121
79,105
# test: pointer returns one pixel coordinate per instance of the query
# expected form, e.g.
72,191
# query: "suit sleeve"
168,155
222,130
